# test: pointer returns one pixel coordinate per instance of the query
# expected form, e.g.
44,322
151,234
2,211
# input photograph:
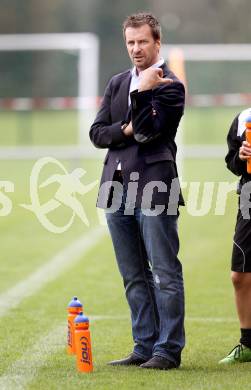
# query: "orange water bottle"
83,344
74,308
248,139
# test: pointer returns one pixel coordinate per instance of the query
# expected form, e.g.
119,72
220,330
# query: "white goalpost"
211,52
86,45
207,52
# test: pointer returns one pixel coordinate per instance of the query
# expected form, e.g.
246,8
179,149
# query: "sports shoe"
239,354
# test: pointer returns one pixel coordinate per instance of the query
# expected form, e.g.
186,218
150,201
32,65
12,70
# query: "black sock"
246,337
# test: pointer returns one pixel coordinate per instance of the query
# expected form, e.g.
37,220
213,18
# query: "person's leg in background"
242,288
241,279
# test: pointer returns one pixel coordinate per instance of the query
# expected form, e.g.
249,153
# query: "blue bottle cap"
248,119
81,318
75,303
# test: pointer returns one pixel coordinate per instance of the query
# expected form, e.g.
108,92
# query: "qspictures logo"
69,193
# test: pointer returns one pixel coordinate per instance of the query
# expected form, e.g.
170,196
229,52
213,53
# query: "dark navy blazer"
151,151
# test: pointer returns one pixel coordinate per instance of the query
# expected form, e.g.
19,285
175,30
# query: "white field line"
212,319
50,271
189,319
22,372
25,369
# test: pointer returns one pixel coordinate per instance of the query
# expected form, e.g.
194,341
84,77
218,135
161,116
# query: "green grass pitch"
211,324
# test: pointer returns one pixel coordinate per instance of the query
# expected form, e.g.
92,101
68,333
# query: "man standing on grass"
239,151
137,122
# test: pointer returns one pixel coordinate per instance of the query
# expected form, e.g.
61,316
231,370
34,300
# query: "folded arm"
104,133
234,160
157,107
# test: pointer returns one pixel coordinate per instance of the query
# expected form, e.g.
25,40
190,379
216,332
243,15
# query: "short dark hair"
141,18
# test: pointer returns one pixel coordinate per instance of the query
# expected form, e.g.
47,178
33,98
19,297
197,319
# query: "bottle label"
85,350
69,336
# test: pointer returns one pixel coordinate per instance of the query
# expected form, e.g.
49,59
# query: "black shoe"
130,360
159,363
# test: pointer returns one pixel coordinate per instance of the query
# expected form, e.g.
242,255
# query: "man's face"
143,50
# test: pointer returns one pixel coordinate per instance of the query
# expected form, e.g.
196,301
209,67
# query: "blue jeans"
146,249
